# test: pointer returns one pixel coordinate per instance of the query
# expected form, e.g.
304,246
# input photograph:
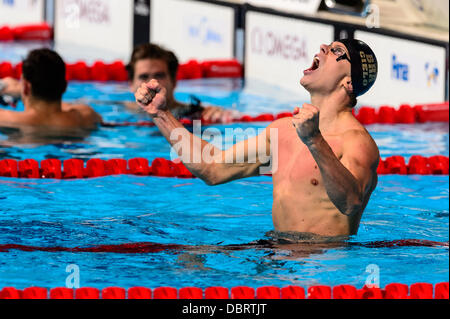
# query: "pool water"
127,209
118,210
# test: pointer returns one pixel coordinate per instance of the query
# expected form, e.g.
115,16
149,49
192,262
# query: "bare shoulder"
360,144
281,123
280,126
359,136
84,110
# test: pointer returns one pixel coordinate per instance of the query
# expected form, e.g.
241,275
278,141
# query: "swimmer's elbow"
352,211
218,174
353,207
214,180
211,176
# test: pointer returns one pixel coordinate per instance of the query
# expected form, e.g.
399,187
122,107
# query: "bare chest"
295,161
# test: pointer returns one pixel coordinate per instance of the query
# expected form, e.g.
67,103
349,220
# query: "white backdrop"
13,13
408,71
295,6
278,49
94,29
193,30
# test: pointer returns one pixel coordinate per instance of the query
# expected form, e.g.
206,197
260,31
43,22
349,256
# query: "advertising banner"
101,29
193,29
408,71
278,49
293,6
17,12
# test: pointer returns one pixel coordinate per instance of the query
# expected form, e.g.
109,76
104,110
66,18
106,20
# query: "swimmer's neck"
40,106
332,107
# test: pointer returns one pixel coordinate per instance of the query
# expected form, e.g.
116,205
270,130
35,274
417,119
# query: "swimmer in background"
327,161
149,61
41,88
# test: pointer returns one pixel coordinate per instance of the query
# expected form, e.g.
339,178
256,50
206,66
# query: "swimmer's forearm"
341,186
190,149
166,123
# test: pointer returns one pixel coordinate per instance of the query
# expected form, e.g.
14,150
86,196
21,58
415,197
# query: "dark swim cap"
364,65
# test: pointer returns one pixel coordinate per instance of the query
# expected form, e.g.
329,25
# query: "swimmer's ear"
347,84
26,87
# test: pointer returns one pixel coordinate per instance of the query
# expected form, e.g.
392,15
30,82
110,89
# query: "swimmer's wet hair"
153,51
46,71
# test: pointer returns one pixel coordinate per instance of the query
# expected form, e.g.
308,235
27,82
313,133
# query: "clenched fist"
306,122
151,97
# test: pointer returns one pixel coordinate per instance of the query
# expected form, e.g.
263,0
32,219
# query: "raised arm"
201,158
349,181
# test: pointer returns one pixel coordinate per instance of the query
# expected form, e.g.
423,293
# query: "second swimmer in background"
149,61
45,116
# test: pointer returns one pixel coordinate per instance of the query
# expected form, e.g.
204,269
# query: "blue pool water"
118,210
125,209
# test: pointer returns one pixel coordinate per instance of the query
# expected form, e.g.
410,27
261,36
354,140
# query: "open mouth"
314,66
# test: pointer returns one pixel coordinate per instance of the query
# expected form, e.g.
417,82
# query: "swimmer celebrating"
327,161
41,88
150,61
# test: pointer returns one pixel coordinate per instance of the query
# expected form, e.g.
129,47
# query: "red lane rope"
77,169
146,248
102,72
40,32
116,71
405,114
131,248
390,291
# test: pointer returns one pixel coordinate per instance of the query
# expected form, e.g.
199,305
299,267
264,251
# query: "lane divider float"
160,167
406,114
390,291
151,248
36,32
76,168
116,71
